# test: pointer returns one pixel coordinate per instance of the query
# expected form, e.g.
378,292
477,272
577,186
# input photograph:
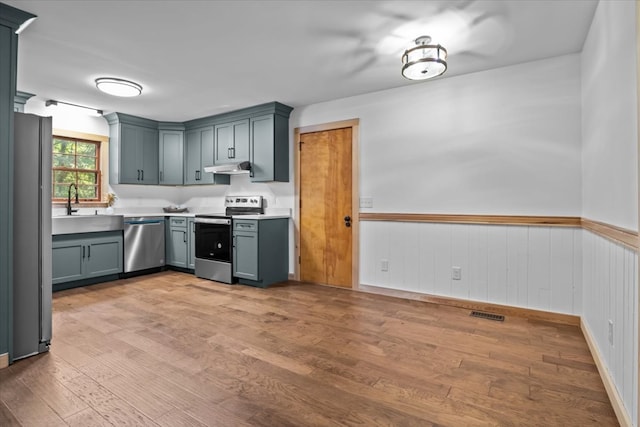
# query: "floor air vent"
488,316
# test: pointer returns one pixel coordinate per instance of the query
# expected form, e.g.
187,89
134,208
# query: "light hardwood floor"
170,349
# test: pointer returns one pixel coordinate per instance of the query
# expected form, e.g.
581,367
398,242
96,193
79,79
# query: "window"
76,161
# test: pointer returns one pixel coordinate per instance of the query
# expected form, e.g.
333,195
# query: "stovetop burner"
239,205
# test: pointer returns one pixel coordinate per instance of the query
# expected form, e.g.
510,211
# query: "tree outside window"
76,161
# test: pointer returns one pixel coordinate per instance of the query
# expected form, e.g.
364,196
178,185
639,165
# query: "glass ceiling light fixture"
424,60
73,107
118,87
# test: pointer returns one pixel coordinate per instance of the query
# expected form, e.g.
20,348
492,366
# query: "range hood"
229,168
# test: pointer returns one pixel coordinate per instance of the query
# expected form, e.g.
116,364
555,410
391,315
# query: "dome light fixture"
424,60
118,87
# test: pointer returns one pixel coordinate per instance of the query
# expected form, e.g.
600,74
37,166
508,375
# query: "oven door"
213,239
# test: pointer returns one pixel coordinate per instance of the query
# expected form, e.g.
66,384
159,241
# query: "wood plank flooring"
170,349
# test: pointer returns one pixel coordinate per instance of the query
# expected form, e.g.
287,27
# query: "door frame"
354,124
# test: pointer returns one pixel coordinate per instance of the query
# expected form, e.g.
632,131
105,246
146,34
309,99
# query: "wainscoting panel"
610,293
535,267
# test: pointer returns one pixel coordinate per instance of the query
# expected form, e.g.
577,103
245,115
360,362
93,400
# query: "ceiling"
199,58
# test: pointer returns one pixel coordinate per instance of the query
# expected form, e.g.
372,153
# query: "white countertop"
269,214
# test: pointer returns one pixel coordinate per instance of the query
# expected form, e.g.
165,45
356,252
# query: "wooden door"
325,201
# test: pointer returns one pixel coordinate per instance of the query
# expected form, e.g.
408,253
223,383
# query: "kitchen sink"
70,224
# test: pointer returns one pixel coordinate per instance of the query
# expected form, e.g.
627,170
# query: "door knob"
347,221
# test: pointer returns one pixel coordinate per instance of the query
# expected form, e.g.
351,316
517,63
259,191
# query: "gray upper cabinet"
232,142
171,147
198,153
133,150
269,145
144,151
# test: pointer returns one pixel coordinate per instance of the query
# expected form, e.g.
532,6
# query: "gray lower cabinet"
180,241
191,226
86,256
177,242
171,152
261,251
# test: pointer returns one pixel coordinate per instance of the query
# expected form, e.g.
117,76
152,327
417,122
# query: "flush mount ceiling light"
118,87
73,107
424,61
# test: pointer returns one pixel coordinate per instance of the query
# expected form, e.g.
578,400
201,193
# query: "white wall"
610,190
77,122
523,266
504,141
611,294
609,117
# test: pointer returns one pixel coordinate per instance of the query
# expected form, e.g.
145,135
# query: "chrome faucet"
69,210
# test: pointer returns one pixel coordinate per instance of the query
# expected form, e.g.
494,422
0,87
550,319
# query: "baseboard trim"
4,360
616,400
528,313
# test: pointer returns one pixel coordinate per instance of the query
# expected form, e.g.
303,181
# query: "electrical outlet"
456,273
610,332
384,265
366,202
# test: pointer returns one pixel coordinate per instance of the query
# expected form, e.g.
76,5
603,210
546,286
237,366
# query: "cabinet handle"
184,233
142,170
89,251
138,175
82,252
197,175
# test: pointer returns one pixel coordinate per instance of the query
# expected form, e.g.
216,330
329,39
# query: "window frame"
103,165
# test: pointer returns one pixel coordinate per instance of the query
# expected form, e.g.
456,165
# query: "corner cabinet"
133,150
171,151
86,256
261,251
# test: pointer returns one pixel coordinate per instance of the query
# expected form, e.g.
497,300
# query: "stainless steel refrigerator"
31,235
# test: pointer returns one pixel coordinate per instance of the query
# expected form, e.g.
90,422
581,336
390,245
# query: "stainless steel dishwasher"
143,243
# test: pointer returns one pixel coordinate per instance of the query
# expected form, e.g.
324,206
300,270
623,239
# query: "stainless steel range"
214,237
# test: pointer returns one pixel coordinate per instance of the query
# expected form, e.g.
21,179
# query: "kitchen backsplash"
198,199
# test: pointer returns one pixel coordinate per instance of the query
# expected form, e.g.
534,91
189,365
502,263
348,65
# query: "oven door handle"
222,221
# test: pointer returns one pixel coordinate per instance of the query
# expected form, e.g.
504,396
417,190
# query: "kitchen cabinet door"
245,255
177,247
137,153
103,256
130,152
199,147
149,161
67,261
86,255
269,148
191,239
232,142
171,157
260,251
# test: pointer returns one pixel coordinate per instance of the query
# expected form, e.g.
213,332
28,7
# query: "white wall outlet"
384,265
610,332
456,273
366,202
